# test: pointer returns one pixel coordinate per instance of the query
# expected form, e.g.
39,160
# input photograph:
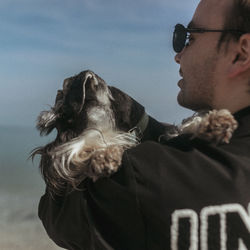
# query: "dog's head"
87,101
74,106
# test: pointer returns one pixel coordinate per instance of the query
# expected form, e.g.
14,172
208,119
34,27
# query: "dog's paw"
215,126
105,162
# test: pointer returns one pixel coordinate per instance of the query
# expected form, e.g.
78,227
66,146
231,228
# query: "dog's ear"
46,122
127,111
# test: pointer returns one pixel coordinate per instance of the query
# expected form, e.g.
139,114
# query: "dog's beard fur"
92,128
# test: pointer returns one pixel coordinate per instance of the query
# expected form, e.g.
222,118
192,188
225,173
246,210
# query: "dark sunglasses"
180,35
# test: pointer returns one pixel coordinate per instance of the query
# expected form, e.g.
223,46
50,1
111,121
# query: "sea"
21,187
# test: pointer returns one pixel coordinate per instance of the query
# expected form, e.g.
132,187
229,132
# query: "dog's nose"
92,78
91,82
95,81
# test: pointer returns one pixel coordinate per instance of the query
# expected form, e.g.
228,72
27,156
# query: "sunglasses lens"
179,38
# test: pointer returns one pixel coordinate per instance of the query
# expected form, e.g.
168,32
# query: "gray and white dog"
96,123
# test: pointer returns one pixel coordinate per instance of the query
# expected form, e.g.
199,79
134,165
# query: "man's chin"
182,101
190,104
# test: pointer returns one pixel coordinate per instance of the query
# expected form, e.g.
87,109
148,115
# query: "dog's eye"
75,106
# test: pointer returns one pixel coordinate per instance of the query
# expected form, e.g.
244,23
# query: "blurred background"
126,42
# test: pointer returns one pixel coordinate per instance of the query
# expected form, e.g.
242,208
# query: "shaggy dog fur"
95,123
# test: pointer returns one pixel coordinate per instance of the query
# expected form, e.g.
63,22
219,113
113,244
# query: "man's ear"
241,57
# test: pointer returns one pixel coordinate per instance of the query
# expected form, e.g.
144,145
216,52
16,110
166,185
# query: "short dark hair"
238,18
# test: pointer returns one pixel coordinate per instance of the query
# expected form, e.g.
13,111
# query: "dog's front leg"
105,162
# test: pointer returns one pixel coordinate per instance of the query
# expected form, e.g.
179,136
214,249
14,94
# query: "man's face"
200,61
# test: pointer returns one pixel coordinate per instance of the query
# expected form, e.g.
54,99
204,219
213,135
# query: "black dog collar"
141,126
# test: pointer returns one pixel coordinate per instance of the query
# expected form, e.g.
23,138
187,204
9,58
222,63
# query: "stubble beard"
198,93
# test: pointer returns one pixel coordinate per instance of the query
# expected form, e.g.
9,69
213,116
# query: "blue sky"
126,42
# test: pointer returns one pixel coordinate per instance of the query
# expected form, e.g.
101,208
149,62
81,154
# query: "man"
184,193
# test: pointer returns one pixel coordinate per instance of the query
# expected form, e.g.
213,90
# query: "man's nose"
178,57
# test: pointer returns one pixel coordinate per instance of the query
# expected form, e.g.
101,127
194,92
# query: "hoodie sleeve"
105,214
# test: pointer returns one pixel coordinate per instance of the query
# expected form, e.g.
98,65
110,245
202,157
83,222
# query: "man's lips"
180,72
181,83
